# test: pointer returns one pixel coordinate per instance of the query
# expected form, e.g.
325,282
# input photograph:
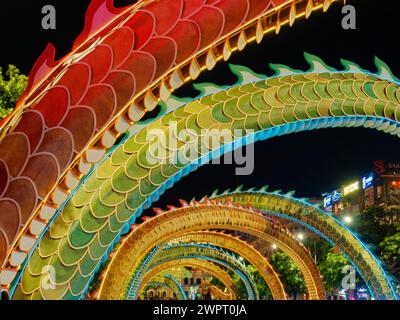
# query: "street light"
347,219
274,246
300,236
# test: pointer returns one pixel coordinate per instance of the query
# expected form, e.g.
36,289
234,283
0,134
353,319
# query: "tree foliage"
290,274
262,287
318,247
390,251
239,285
12,85
331,271
374,224
378,226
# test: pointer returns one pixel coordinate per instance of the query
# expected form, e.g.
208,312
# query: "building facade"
380,187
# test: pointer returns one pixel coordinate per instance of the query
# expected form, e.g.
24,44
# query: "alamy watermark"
349,20
349,280
49,18
48,279
182,146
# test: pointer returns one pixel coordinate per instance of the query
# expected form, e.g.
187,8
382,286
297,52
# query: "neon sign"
327,201
336,196
351,188
368,181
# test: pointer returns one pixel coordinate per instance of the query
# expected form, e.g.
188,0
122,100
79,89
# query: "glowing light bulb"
347,219
300,236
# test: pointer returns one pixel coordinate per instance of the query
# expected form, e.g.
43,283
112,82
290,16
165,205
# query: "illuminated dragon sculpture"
74,169
123,63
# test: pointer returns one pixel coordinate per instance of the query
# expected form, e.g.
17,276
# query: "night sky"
311,162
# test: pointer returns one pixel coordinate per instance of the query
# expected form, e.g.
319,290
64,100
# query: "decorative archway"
172,283
376,115
219,261
328,227
312,279
218,293
178,222
205,265
198,252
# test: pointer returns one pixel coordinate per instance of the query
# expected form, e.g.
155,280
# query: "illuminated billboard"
387,167
368,181
328,201
351,188
336,196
